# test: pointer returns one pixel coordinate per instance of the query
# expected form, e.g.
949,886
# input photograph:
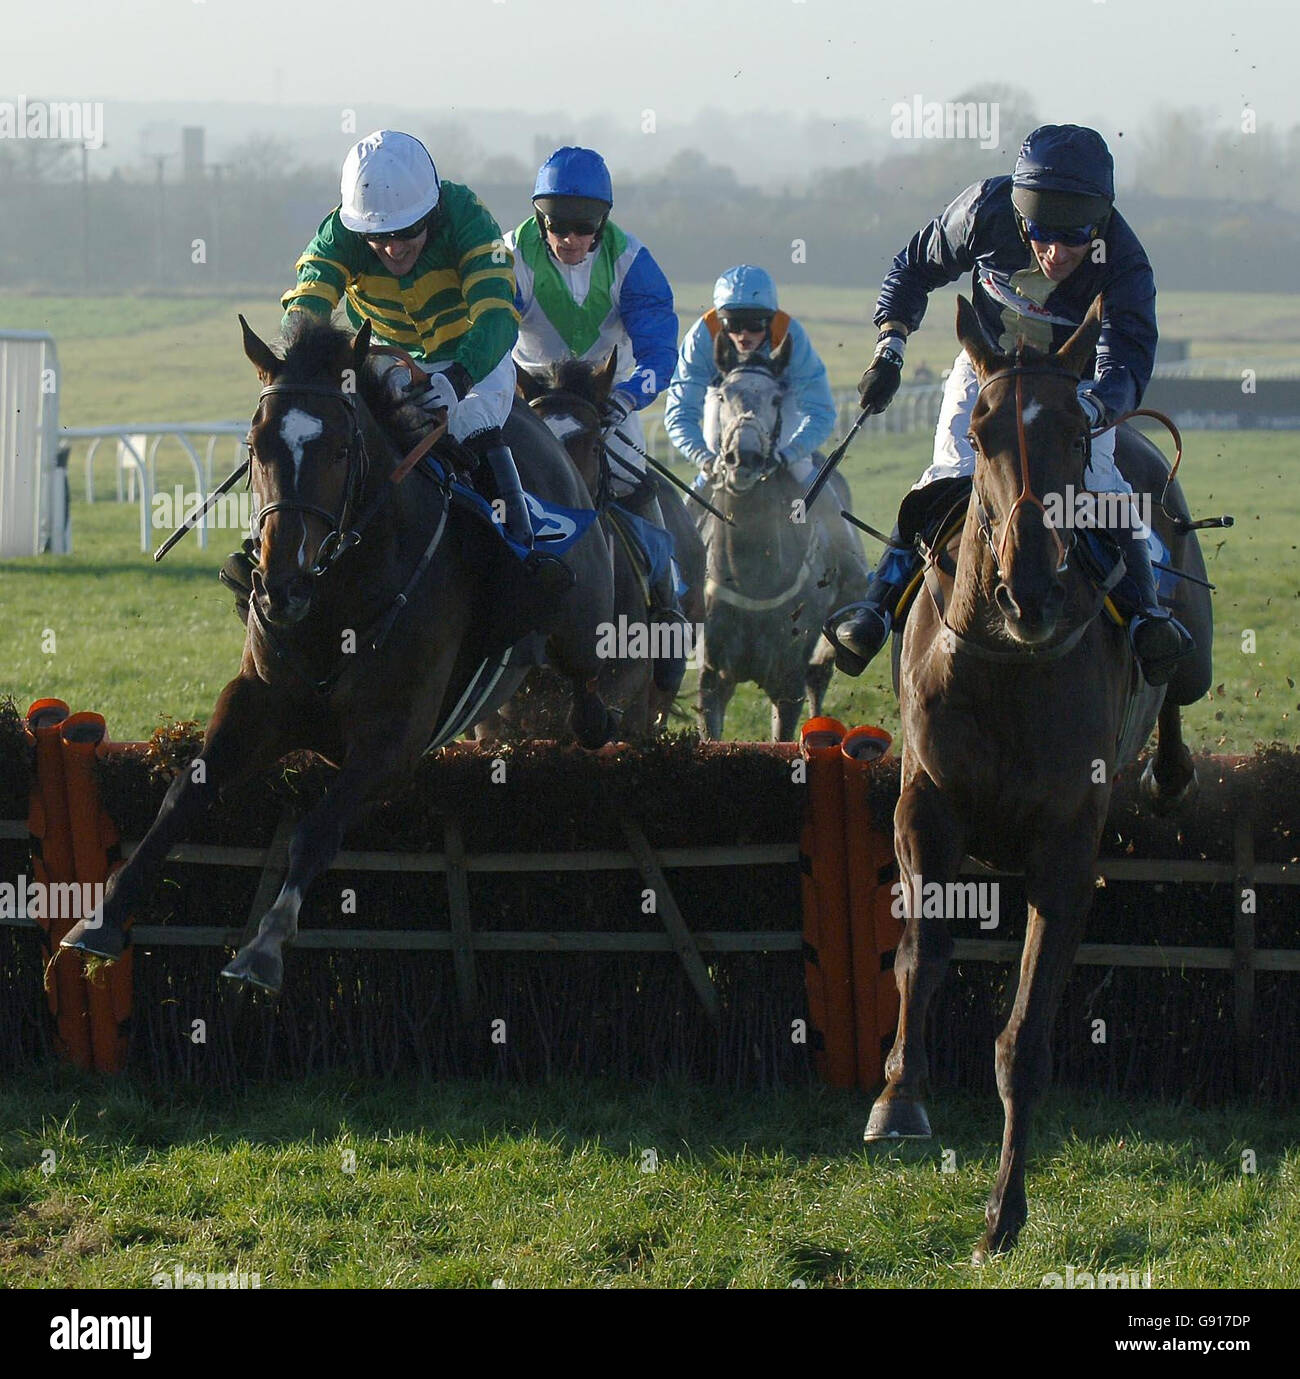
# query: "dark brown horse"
1018,705
366,651
570,399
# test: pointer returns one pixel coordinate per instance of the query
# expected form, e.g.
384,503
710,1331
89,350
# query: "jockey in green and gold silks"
424,261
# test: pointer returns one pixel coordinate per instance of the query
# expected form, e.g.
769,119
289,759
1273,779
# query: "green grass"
464,1184
138,642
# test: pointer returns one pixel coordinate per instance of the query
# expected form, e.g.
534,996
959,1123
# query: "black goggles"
560,227
411,232
740,319
1055,234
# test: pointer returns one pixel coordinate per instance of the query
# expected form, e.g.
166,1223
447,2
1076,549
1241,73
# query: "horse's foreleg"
785,718
1057,910
930,849
368,768
244,736
715,693
1169,780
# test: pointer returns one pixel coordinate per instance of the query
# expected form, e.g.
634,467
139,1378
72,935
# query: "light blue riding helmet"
745,286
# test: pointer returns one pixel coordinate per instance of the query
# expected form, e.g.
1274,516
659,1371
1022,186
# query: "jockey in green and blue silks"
585,287
1040,246
745,306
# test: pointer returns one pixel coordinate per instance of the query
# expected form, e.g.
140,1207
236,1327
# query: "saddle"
649,548
933,517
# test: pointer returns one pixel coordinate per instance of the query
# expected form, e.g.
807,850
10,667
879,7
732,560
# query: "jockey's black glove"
880,382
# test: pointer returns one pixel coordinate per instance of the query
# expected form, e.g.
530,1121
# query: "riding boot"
665,610
1158,639
237,574
859,630
552,577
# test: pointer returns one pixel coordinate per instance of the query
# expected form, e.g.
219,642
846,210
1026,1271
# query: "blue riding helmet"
1064,177
574,184
575,172
745,286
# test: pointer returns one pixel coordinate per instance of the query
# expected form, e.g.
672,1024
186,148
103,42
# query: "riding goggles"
411,232
1052,234
736,319
560,227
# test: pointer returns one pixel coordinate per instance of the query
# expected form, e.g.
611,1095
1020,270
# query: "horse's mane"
313,346
576,376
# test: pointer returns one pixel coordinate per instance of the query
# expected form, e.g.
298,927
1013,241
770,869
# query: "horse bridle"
342,533
774,436
1019,371
588,416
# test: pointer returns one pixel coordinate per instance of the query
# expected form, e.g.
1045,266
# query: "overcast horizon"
1105,63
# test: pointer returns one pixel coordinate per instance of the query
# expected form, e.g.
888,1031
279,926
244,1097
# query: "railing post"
1243,953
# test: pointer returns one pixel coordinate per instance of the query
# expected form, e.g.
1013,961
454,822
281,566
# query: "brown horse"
1018,704
381,622
570,399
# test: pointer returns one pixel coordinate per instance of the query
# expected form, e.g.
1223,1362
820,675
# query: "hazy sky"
1105,62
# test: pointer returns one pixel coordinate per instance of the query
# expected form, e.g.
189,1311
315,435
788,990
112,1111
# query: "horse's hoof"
101,940
994,1245
1161,802
896,1118
256,968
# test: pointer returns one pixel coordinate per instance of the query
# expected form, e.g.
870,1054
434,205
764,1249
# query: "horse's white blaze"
562,427
296,429
1032,411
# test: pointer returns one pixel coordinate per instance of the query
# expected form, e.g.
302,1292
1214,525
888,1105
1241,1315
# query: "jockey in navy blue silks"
584,287
1039,245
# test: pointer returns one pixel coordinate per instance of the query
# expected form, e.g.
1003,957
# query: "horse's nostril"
1006,601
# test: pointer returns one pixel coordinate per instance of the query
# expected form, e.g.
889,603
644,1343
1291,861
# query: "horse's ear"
604,376
528,385
724,352
972,338
1076,354
781,355
260,354
360,348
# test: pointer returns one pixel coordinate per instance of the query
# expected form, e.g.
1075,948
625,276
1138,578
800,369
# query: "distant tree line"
1215,210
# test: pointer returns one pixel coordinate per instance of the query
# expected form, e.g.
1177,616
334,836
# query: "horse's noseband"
341,534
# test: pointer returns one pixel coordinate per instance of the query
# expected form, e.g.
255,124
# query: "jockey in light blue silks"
745,307
585,287
1040,245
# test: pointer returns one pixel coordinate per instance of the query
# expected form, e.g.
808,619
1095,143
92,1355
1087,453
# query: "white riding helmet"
389,182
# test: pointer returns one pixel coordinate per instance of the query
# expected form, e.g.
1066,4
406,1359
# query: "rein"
1027,495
